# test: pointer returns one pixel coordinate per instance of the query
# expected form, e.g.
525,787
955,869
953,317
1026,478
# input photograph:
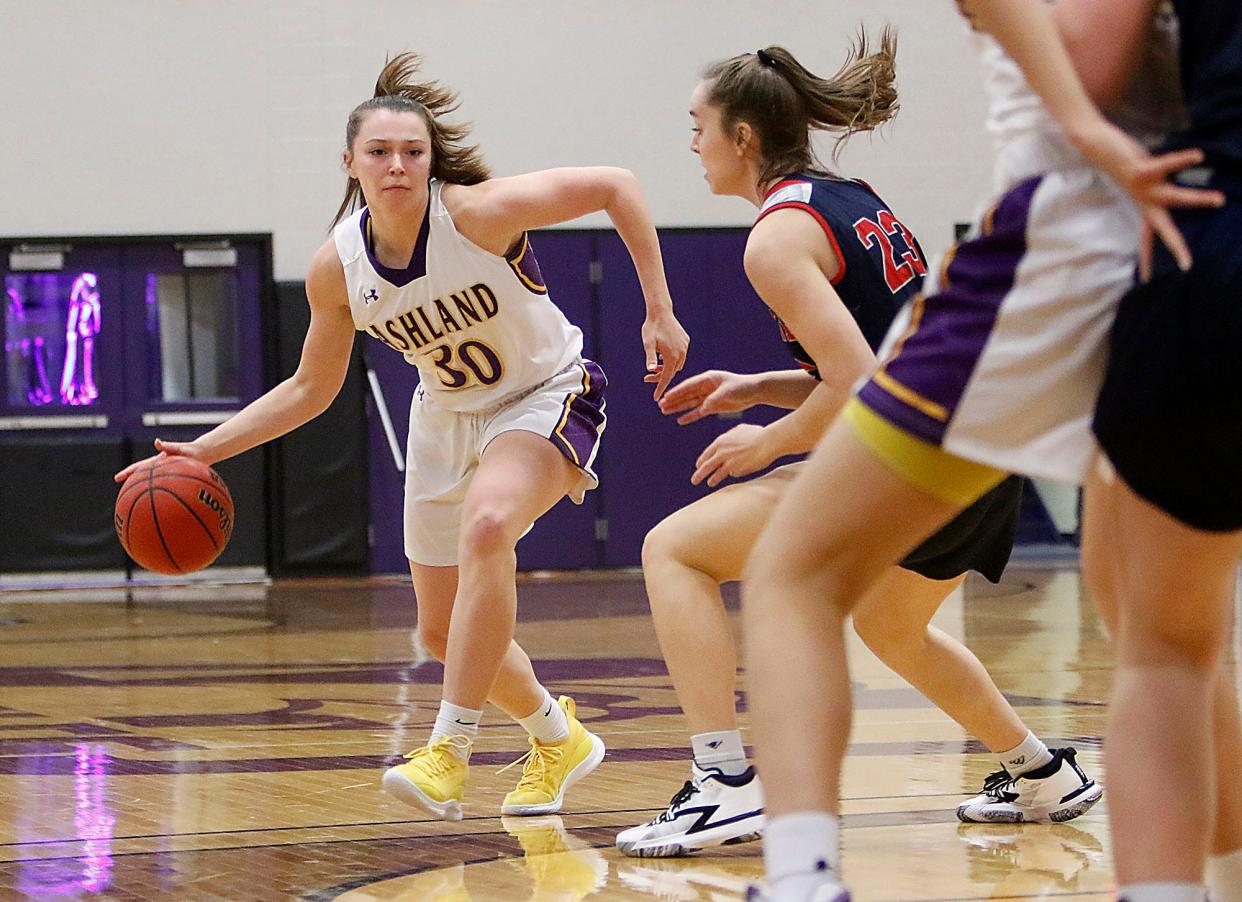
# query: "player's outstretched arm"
719,391
785,260
1026,30
301,397
494,213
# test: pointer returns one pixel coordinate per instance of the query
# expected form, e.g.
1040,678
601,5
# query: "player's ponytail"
784,102
398,89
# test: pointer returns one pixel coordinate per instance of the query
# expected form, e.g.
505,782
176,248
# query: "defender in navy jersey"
834,264
879,270
875,251
505,420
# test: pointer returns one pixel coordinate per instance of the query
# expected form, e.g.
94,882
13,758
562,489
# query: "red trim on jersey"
832,239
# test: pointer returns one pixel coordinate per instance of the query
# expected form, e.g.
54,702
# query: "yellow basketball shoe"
433,777
553,767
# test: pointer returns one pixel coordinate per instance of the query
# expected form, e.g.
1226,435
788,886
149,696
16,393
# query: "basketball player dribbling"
995,369
506,419
834,264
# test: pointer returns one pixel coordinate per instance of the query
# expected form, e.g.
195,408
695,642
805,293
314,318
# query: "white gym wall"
147,117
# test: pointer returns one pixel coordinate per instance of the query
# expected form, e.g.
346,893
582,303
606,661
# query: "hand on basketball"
665,343
1145,178
166,449
712,392
739,452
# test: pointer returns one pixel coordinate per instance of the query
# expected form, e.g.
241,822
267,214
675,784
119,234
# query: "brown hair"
396,89
783,101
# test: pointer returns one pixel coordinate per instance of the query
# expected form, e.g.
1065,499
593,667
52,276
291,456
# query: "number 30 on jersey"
469,363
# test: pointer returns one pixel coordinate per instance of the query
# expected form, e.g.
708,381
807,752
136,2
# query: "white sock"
722,750
454,720
800,850
1030,754
548,722
1162,892
1224,876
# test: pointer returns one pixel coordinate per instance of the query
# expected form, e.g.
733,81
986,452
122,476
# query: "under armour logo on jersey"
370,295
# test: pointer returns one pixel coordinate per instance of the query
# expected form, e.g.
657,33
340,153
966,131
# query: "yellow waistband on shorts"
921,463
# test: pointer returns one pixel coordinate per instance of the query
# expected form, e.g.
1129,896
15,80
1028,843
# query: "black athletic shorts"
1169,416
979,538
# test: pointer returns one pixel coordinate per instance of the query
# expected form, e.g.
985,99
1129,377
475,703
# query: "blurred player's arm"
304,395
1025,29
1104,39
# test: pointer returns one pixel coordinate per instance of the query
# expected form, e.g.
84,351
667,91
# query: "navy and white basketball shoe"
1057,792
711,809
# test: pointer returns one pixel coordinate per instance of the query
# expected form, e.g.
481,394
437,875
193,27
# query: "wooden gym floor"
226,742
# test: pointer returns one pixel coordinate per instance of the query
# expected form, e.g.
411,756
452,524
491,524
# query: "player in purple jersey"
834,264
872,488
437,232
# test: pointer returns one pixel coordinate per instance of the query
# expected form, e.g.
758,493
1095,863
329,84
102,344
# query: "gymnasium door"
107,345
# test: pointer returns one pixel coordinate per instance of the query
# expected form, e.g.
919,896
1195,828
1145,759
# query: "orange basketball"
174,515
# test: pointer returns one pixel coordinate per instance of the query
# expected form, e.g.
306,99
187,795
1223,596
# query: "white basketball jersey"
1029,141
478,326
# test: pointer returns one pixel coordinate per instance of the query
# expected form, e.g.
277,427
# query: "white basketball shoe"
711,809
1057,792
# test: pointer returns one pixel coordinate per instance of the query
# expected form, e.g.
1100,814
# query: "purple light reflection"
93,819
81,327
31,350
93,825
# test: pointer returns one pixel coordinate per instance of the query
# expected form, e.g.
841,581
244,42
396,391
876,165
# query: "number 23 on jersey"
900,269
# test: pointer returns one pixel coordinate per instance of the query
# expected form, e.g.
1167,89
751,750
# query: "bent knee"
434,639
781,572
1173,642
664,542
488,531
673,542
886,637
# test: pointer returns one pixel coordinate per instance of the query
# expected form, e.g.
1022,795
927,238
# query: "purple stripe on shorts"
578,432
936,362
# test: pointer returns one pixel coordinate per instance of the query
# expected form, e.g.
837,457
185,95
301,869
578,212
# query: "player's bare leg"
516,690
1173,589
1224,871
1100,566
520,476
894,620
686,558
823,551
